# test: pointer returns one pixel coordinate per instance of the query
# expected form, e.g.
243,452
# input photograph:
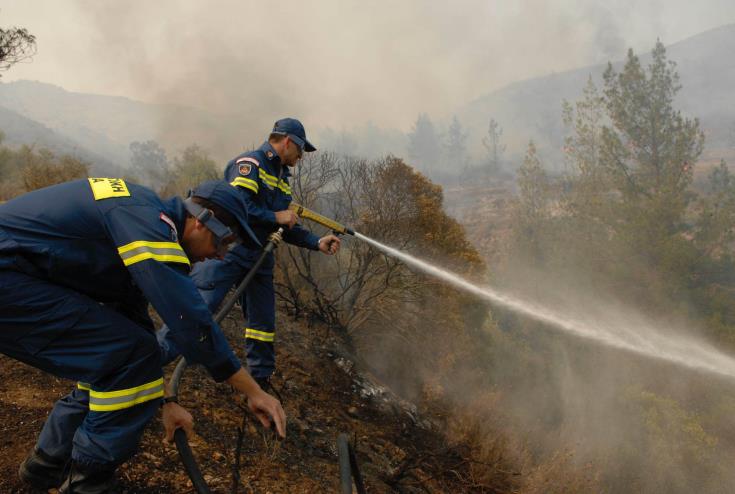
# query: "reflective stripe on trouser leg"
70,335
67,415
259,310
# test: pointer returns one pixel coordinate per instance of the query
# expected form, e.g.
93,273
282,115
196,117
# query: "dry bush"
42,169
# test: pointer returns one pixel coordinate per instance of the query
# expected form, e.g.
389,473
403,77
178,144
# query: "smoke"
642,425
336,63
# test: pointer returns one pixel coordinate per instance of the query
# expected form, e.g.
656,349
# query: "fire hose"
182,443
348,467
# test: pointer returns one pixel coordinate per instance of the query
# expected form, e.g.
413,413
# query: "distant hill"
531,109
103,124
106,125
18,130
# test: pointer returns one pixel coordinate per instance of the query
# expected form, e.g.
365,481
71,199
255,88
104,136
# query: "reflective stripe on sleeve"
108,401
83,386
141,250
254,334
274,181
248,183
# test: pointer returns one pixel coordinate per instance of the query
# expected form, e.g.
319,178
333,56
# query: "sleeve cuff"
270,217
223,369
314,242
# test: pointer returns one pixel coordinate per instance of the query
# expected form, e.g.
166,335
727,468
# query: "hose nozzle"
308,214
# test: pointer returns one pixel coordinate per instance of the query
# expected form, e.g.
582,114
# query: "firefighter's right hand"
175,416
266,407
286,218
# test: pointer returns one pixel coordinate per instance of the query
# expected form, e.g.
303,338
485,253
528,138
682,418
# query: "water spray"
644,340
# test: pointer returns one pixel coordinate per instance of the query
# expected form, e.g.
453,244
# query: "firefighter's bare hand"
286,218
175,416
268,409
329,244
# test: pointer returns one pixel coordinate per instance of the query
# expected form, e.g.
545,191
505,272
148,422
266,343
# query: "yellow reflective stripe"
127,404
245,182
266,177
144,243
123,392
274,181
254,334
156,257
105,401
141,250
83,386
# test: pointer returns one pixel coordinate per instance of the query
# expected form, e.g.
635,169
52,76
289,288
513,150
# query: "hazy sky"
337,63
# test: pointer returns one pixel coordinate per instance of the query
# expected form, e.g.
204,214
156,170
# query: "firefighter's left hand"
175,416
329,244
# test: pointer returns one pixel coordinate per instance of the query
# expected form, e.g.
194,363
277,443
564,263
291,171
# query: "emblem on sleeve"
169,222
245,169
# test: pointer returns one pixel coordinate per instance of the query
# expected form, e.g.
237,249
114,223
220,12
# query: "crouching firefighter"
79,263
261,177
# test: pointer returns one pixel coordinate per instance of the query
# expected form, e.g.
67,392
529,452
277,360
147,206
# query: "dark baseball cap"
228,198
293,128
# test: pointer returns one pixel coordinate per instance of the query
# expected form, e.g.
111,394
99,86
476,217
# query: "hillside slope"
531,109
323,395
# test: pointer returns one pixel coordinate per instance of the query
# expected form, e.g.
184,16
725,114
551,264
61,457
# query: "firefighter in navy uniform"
79,263
262,177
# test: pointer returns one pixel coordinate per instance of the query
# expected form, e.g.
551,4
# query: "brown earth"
322,395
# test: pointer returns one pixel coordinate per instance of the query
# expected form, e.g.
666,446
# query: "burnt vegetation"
495,403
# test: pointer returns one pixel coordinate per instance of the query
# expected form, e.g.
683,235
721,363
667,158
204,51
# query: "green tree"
423,144
455,147
649,148
148,162
192,168
493,146
716,225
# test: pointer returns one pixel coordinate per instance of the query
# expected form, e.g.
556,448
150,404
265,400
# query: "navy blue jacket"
265,183
117,243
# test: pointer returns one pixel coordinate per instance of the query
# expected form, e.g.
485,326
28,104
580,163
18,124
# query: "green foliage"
423,144
670,437
149,163
625,221
193,167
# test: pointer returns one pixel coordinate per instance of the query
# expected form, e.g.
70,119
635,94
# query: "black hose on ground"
348,468
182,444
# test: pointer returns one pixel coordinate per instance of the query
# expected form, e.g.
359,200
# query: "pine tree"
423,144
455,149
495,148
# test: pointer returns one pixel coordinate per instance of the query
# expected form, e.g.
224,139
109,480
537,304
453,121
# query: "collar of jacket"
273,160
174,208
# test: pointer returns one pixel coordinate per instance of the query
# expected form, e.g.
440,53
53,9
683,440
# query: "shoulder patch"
245,165
248,159
170,222
245,169
105,188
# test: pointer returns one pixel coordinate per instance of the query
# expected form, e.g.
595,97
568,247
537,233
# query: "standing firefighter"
79,263
261,177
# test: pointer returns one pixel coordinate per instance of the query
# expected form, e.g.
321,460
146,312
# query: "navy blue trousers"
116,362
214,279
